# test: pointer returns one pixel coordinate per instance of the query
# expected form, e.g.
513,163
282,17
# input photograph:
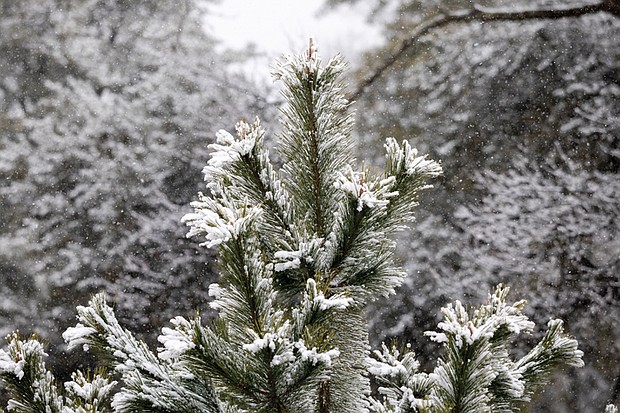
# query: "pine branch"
476,373
150,383
378,208
242,165
33,388
315,142
214,355
240,171
403,388
22,369
554,349
482,15
262,360
273,372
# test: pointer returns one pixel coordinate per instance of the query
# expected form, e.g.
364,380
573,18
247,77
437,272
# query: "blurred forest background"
107,108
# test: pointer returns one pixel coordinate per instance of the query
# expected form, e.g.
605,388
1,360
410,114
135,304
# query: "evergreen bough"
302,251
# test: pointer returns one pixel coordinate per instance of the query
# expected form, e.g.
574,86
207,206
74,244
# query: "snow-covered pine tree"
302,251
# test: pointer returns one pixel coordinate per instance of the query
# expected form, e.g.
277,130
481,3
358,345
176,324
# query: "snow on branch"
402,387
337,301
405,160
228,149
373,193
34,389
91,395
484,323
176,341
219,220
480,14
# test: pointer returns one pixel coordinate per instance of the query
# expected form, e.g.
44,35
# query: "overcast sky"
284,26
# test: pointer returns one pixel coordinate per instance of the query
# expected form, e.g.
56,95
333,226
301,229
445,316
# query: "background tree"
524,111
105,108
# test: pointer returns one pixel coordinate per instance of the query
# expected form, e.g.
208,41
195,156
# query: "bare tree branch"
480,14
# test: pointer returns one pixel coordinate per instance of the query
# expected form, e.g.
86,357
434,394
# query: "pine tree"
302,250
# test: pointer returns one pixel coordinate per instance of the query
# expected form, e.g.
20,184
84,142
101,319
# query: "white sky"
284,26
